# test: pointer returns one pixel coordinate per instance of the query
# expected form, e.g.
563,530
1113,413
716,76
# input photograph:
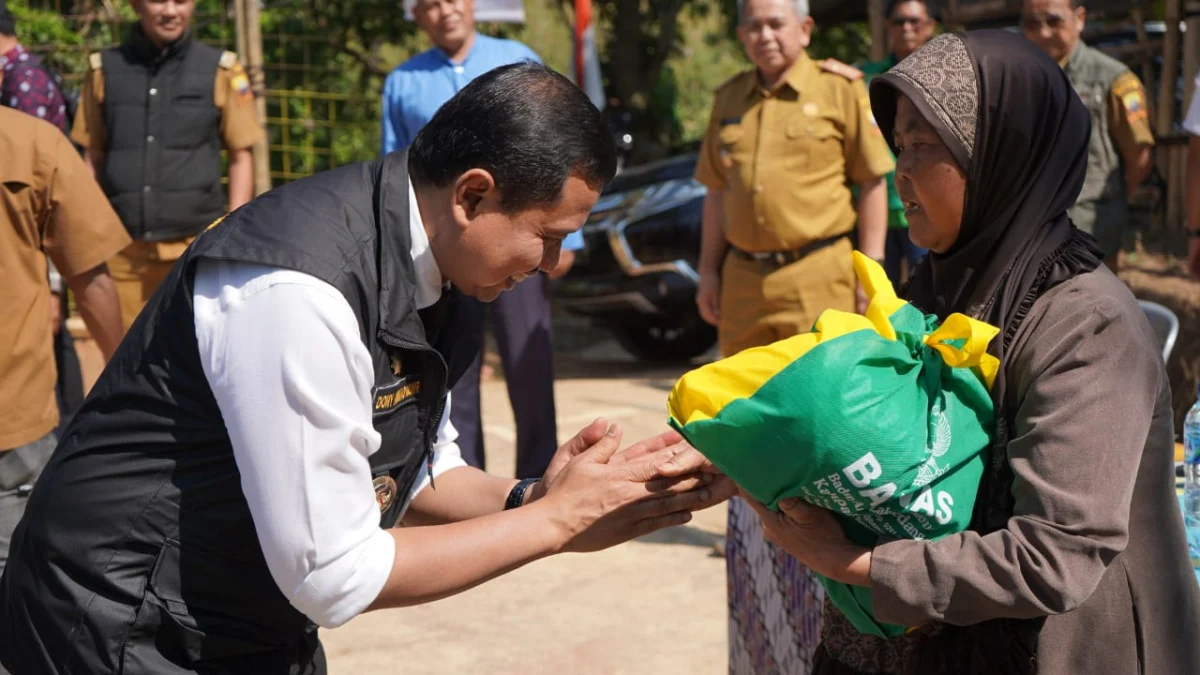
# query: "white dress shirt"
293,379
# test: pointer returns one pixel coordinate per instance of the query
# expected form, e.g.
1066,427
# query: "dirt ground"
1164,279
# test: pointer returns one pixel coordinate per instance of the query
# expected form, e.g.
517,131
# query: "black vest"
162,166
137,552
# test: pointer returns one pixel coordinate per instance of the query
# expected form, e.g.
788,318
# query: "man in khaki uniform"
49,207
1120,153
155,114
784,142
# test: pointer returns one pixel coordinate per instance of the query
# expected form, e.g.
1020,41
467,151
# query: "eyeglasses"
901,21
1032,23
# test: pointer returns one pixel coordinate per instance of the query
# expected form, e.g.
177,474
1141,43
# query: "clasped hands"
602,497
599,497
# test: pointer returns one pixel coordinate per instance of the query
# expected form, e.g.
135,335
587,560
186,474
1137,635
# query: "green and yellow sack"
883,419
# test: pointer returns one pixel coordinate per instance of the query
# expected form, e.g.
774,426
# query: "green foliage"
848,43
325,61
708,57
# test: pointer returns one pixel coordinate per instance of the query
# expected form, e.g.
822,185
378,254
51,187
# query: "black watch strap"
516,496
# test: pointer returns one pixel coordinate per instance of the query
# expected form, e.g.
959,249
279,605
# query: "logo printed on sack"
939,443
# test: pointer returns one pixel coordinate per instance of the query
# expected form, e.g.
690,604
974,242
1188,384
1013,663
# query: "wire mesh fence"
318,115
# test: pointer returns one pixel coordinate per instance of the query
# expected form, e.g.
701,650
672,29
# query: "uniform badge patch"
385,492
396,394
241,84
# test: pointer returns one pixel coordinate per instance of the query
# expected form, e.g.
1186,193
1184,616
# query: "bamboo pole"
1170,69
239,27
878,23
254,49
950,16
1139,23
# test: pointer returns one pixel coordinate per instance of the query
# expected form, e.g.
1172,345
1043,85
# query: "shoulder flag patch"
1126,83
241,83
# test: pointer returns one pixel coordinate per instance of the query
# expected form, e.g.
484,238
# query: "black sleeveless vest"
138,553
162,166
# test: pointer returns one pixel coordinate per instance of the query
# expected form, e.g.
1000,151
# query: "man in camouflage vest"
1120,152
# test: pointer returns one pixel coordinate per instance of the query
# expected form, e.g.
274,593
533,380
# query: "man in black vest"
220,494
155,113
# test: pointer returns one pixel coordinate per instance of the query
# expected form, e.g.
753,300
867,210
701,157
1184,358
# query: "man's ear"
807,25
471,191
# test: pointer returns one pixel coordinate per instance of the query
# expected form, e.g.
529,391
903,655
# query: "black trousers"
521,322
68,389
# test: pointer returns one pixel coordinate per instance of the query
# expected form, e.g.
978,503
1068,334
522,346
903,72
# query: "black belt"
781,258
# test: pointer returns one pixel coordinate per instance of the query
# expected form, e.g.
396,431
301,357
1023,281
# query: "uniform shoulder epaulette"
228,60
95,61
838,68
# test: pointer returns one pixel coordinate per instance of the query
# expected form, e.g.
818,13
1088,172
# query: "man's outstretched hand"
678,467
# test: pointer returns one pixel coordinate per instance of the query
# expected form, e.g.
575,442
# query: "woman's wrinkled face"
929,181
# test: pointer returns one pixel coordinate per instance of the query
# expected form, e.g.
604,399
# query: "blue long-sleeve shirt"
415,90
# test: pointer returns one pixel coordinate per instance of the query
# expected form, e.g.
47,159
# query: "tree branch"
368,63
668,22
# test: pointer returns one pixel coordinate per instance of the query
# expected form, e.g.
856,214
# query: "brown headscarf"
1011,118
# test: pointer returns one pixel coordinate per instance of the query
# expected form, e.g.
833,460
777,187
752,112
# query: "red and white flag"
585,63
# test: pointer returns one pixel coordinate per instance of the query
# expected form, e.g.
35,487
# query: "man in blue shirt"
412,93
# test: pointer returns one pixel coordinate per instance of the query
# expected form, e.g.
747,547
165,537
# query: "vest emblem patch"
396,394
385,492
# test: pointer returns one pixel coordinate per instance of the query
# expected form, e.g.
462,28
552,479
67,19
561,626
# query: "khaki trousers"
140,269
761,304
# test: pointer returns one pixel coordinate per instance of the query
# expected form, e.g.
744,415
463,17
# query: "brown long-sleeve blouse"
1096,540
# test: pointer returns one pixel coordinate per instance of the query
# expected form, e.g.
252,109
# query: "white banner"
486,11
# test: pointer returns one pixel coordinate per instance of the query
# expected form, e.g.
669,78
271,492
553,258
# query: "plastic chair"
1165,325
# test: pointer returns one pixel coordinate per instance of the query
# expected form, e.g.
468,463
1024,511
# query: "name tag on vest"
399,393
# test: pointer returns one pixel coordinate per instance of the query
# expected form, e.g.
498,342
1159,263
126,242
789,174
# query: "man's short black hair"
528,126
8,22
929,8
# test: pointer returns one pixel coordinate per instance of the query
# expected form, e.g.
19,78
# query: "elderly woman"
1076,560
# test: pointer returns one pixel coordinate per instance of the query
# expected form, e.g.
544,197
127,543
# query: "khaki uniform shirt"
49,205
232,94
783,158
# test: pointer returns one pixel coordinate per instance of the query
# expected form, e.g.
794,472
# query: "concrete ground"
654,605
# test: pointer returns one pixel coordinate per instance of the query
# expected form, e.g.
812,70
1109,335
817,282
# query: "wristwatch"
516,496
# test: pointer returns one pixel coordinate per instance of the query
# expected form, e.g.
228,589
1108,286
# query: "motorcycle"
636,275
